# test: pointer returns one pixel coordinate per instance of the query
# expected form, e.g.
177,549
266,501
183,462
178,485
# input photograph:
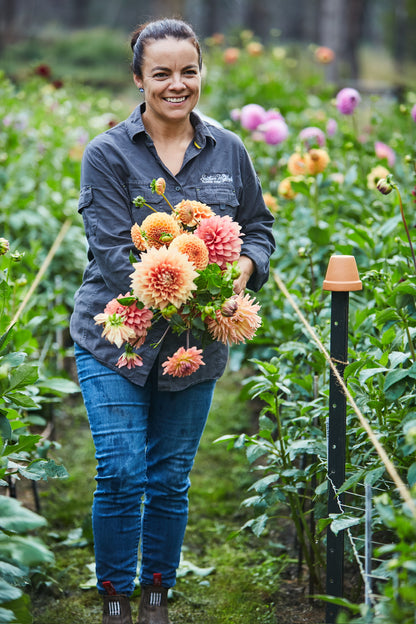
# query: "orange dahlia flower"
231,55
324,55
297,164
285,188
239,327
138,240
184,362
193,247
190,212
164,276
317,160
159,228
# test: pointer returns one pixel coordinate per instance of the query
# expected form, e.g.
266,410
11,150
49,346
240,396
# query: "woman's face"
170,78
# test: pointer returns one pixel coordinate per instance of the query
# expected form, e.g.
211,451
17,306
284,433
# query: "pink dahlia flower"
137,319
347,99
274,131
331,127
251,116
272,114
221,235
183,362
164,276
239,327
413,113
385,151
312,137
129,359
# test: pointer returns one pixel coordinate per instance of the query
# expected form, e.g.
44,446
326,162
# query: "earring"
141,89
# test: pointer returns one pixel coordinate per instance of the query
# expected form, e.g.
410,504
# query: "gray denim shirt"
120,164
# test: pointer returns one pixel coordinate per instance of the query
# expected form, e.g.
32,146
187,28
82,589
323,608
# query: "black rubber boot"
116,609
153,607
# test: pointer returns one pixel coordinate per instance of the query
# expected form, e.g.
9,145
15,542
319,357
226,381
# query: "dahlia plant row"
188,263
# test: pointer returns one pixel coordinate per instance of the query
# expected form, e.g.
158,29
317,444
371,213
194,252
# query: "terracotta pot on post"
341,278
342,274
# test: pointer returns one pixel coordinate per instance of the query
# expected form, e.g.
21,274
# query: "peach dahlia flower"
239,327
164,276
190,212
183,362
138,240
194,248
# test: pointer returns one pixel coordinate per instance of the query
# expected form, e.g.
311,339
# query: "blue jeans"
145,442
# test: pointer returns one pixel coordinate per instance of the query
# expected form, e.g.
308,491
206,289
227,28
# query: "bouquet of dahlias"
188,264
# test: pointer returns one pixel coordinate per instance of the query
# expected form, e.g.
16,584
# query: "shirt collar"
135,126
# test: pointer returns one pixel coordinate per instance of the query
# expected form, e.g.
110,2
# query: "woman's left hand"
246,266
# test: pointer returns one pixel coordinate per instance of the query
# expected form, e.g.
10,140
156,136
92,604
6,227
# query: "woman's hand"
246,266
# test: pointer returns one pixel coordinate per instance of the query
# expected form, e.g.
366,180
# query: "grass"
244,570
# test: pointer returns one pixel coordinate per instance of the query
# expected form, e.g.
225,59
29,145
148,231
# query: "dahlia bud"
4,246
165,237
384,186
229,307
169,311
159,186
139,201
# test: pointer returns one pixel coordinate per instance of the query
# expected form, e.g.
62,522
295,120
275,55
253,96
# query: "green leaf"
342,602
411,475
394,376
7,616
367,373
25,375
26,442
8,592
126,301
21,399
44,469
27,551
342,522
59,385
20,609
5,427
374,475
15,517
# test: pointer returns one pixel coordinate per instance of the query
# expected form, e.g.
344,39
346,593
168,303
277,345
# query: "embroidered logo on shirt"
216,178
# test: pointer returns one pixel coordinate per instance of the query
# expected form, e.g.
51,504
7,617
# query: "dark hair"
160,29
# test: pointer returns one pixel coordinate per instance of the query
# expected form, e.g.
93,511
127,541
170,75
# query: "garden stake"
341,277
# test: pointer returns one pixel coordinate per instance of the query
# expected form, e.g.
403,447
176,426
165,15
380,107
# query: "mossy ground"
244,586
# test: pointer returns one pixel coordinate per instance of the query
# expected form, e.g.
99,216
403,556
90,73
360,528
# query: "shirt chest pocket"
221,199
142,195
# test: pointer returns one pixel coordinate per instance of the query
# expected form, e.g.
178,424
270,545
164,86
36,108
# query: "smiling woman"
147,425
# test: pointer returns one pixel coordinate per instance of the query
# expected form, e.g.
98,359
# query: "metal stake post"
341,277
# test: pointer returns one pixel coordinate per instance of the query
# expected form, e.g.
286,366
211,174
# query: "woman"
146,426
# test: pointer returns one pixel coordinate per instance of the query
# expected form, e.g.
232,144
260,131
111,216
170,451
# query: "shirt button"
177,188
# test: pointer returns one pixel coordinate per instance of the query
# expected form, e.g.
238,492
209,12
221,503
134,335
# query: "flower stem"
405,225
168,202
